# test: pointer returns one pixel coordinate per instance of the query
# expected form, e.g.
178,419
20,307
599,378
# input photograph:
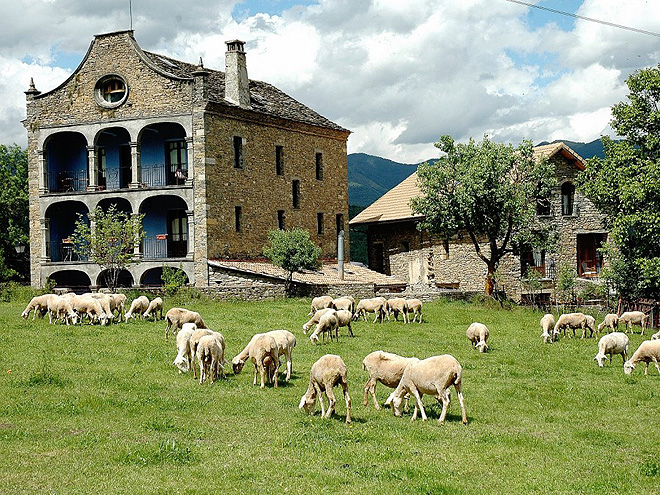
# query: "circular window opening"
111,91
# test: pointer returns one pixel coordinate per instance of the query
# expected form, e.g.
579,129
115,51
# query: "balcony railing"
67,181
154,248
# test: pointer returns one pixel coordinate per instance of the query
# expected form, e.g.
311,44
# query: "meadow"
90,409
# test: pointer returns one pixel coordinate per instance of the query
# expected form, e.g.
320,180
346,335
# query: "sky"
398,74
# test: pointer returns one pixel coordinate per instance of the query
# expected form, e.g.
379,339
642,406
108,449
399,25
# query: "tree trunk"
490,280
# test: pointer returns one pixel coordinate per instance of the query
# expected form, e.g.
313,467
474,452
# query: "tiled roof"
394,205
327,274
264,98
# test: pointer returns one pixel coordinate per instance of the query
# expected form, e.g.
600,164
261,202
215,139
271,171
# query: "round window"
111,91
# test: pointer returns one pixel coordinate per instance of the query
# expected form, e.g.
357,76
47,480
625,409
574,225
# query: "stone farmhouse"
212,159
397,247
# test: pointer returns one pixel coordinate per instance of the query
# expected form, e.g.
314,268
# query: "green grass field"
102,410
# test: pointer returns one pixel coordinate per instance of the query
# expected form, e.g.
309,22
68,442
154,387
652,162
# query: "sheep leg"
331,399
347,398
289,366
655,361
459,391
276,360
254,380
443,397
319,394
415,393
350,331
262,374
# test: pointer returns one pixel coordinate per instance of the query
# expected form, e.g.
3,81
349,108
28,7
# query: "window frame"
318,160
238,218
238,152
279,160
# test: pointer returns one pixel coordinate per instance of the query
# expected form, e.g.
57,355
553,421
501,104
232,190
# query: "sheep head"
600,358
237,365
628,367
181,363
482,346
308,402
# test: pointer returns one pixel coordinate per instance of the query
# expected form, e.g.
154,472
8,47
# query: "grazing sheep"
184,359
325,374
106,301
383,367
376,305
347,303
647,352
395,306
344,318
118,302
286,341
60,308
176,317
85,305
194,342
315,319
611,320
630,318
155,306
138,307
478,334
38,304
573,321
260,346
210,356
432,376
547,325
327,323
655,336
320,303
612,343
414,308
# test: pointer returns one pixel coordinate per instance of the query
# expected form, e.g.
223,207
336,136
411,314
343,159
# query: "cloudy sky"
398,73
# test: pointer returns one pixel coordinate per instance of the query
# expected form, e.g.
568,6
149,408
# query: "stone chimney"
237,85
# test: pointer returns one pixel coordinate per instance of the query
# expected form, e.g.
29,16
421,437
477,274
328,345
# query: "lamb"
478,334
547,325
376,305
325,374
383,367
193,342
320,303
630,318
85,305
38,304
176,317
105,300
286,341
344,318
612,343
397,305
647,352
347,303
138,307
315,319
184,358
572,321
414,307
327,323
258,348
611,320
155,306
210,355
432,376
62,309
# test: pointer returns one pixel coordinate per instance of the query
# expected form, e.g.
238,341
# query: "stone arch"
125,279
76,280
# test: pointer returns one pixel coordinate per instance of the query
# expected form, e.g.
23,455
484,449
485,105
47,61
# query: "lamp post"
20,248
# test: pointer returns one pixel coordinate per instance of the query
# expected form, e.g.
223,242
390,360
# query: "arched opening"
113,158
124,279
163,155
165,227
567,198
120,204
65,169
154,277
61,219
74,280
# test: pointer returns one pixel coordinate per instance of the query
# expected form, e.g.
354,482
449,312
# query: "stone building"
397,247
212,159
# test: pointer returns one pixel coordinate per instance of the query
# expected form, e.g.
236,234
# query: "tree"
292,250
488,191
109,239
625,185
13,213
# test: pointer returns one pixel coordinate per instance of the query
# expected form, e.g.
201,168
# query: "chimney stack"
237,86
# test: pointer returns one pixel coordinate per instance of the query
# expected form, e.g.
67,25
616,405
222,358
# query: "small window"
319,223
280,219
279,160
543,207
319,166
405,246
238,217
567,198
295,192
111,91
532,259
238,152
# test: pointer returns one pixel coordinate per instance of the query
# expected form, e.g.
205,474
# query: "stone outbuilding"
396,247
214,160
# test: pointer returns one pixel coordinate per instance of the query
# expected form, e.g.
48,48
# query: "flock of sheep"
614,343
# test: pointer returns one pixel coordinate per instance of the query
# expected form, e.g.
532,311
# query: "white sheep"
60,308
344,318
611,320
315,319
328,323
345,302
325,374
630,318
414,308
260,346
155,309
210,355
118,303
184,358
376,305
478,334
431,376
320,302
612,343
573,321
655,336
176,317
106,303
286,341
85,305
138,307
547,327
647,352
396,306
383,367
193,342
38,304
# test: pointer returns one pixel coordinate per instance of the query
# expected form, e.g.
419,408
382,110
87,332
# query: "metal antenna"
130,12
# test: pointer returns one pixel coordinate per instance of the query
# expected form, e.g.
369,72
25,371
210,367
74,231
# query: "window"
238,152
319,223
543,207
295,193
177,161
405,246
319,166
111,91
280,219
238,214
567,198
279,160
102,169
532,259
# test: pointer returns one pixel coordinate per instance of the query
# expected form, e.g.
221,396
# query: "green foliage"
111,242
292,250
487,190
626,186
14,216
566,279
173,279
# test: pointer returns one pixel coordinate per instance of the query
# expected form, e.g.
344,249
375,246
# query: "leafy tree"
13,213
488,191
292,250
173,279
626,187
109,240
